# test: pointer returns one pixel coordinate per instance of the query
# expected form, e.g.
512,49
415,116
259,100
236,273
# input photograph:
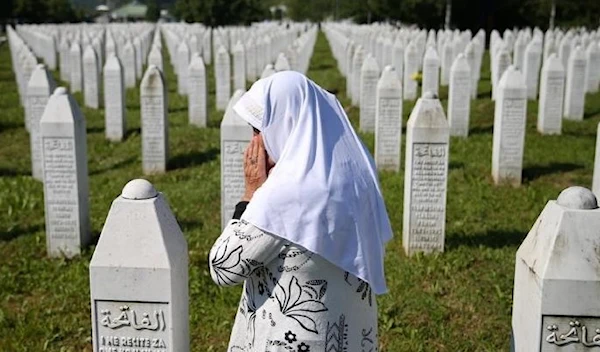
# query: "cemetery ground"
456,301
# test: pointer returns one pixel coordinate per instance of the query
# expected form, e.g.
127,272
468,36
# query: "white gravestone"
114,100
155,58
471,56
128,57
357,62
509,128
501,63
64,54
575,86
222,77
139,276
431,71
411,67
398,59
64,162
388,121
555,297
239,66
198,95
91,78
183,63
76,68
235,136
552,92
447,61
426,177
282,64
531,69
139,62
268,71
154,123
40,87
459,97
369,76
593,67
347,62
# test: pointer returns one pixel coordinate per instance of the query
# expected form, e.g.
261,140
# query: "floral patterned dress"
293,299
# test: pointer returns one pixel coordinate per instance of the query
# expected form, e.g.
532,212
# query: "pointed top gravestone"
551,96
198,94
575,85
431,71
222,78
282,63
459,97
239,66
369,76
235,136
155,126
426,177
388,121
91,78
269,70
155,58
40,87
114,99
509,128
64,160
183,63
76,68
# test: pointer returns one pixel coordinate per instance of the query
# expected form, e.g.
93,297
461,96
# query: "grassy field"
456,301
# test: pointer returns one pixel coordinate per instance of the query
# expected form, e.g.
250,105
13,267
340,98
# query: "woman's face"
270,162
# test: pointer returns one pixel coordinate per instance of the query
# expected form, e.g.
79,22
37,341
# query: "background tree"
153,12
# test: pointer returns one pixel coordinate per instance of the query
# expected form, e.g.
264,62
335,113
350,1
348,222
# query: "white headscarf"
323,193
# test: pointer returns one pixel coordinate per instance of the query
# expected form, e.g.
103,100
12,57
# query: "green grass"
456,301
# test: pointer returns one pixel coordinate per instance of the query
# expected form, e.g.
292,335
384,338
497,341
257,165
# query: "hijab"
323,193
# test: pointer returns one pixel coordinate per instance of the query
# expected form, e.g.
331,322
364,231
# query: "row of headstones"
58,144
246,58
558,255
408,51
426,158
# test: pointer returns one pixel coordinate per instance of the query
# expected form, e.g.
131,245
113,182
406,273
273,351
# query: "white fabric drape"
323,194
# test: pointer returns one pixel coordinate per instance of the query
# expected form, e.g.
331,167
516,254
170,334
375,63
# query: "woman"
308,238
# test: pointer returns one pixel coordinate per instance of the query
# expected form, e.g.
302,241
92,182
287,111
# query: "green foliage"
221,12
43,11
153,13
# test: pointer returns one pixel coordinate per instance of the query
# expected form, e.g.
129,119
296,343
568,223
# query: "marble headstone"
222,77
40,87
198,94
509,128
235,136
369,76
75,61
114,100
425,177
552,92
459,99
139,276
555,297
91,79
575,85
431,71
154,123
388,121
239,67
64,163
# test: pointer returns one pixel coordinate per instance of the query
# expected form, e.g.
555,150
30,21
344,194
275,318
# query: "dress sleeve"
241,249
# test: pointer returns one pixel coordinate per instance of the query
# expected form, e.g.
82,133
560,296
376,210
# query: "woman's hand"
255,166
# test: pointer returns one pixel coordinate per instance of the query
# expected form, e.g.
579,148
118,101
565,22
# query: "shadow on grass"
590,114
5,126
114,166
533,172
133,131
19,231
482,130
13,173
183,161
484,94
456,165
95,130
490,239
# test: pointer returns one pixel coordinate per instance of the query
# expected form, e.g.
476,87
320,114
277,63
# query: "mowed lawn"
456,301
